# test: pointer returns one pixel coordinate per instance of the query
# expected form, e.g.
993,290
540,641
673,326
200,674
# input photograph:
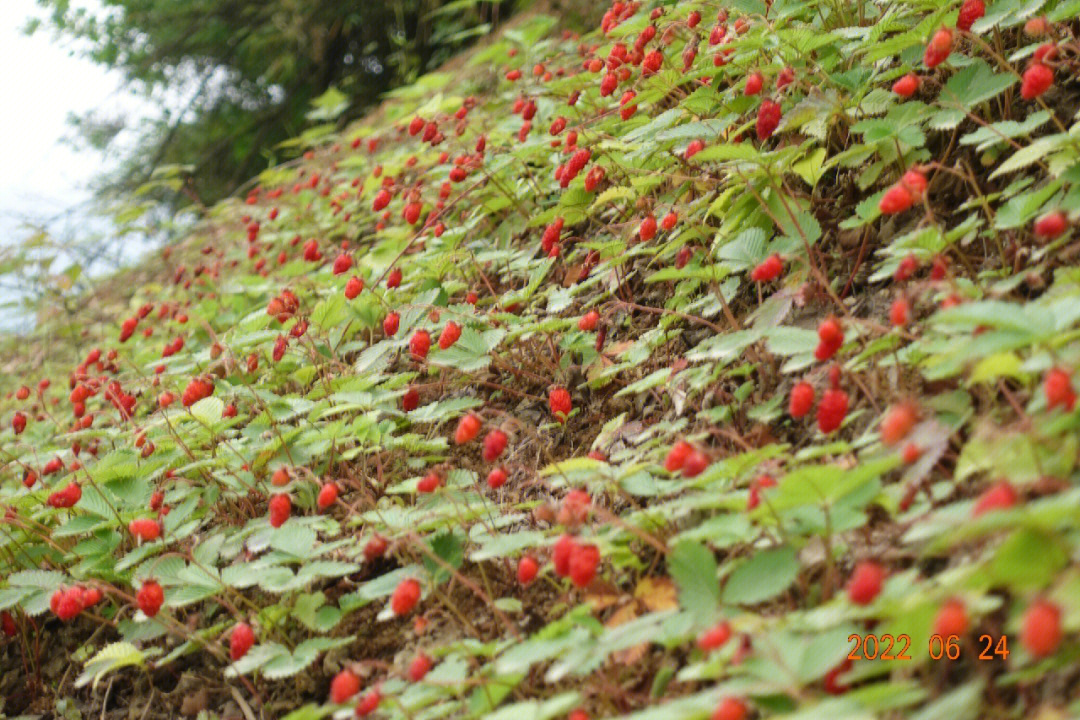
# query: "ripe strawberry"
18,422
496,478
429,483
1041,629
676,457
393,278
693,19
802,400
1051,225
729,709
405,597
416,125
910,453
449,335
898,422
419,667
353,287
715,637
939,47
390,324
588,321
608,84
281,477
693,149
583,562
150,598
999,497
559,403
328,493
280,509
527,569
831,337
695,464
768,269
66,498
494,444
785,78
951,619
754,83
468,428
66,604
865,582
561,552
669,221
410,400
970,11
578,714
343,686
1037,79
342,263
370,702
647,229
1059,390
145,529
22,393
896,199
375,548
419,344
900,312
906,86
753,499
240,641
768,119
832,410
652,63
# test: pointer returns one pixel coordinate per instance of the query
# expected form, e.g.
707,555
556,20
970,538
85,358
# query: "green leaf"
763,576
693,568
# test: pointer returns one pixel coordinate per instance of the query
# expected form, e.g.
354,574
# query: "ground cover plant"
717,362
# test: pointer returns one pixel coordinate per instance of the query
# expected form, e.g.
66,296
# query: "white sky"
41,175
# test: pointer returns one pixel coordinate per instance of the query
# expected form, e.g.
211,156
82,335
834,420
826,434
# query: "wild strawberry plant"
684,368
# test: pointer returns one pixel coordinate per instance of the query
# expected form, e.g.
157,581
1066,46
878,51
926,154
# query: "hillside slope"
715,363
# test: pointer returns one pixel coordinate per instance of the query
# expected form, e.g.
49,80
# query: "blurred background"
127,117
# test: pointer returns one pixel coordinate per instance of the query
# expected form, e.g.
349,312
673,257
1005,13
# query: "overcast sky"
41,174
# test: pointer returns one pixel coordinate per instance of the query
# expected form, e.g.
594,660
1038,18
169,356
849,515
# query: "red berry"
939,47
450,334
970,11
897,423
496,478
647,229
906,86
18,422
527,569
676,457
559,403
328,493
754,83
145,529
729,709
419,344
695,464
150,598
768,270
583,562
754,497
802,400
343,686
560,554
375,548
494,444
353,287
405,597
900,312
832,410
768,119
588,321
1041,629
999,497
342,263
670,220
467,429
419,667
1037,79
1051,225
429,483
390,324
370,702
393,278
693,19
280,509
714,637
865,582
896,199
1059,390
240,640
951,619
